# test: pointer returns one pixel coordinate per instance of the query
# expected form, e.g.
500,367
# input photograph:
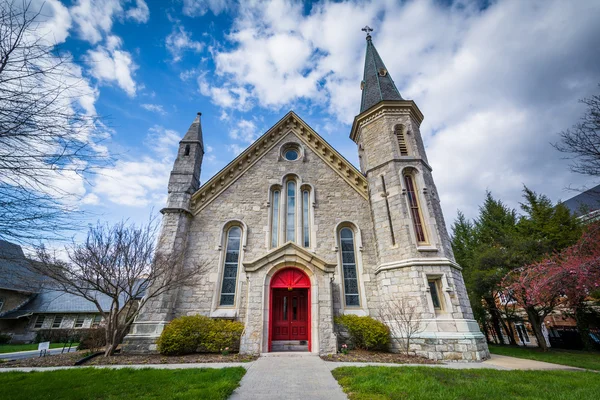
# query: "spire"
377,84
194,134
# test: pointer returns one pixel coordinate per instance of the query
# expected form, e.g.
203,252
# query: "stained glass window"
349,268
275,220
290,220
414,209
232,256
305,219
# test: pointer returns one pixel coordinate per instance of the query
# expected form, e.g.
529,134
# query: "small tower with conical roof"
415,262
183,182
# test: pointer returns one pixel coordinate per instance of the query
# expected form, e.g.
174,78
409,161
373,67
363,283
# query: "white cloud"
140,13
112,65
94,18
179,40
236,149
495,84
156,108
244,131
197,8
188,74
141,181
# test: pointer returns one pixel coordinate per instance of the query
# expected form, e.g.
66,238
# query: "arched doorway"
289,309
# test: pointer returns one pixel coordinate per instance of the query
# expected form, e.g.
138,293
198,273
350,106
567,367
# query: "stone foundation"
447,349
139,345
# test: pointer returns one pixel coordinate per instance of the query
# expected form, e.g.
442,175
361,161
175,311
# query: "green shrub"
5,338
221,334
365,332
191,334
59,335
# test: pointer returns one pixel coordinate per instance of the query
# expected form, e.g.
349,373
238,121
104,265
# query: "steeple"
194,133
377,84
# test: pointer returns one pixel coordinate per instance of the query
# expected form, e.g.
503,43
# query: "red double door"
290,314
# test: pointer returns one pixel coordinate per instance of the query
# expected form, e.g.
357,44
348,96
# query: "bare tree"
122,263
403,318
582,142
49,133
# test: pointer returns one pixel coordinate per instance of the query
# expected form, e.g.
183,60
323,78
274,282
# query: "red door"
290,314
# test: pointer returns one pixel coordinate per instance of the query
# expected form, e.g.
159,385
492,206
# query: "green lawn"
573,358
10,348
100,383
423,383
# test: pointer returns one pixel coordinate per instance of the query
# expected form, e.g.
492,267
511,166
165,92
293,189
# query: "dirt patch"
62,360
377,357
129,359
58,360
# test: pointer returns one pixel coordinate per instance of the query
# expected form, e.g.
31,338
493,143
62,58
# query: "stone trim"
397,107
289,123
400,160
289,253
418,262
172,210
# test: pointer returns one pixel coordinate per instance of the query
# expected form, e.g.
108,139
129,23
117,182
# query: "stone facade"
391,261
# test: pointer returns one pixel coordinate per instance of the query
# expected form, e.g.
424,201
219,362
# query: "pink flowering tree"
537,292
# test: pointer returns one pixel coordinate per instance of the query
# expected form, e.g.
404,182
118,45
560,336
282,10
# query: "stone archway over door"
290,307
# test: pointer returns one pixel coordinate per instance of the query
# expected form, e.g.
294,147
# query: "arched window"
349,271
187,150
399,132
306,218
230,269
415,212
290,218
275,219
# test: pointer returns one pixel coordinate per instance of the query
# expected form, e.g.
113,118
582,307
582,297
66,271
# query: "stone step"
289,345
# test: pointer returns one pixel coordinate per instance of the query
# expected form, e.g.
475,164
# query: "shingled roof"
377,84
14,271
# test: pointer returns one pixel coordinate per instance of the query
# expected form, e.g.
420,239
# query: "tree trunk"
509,331
495,314
536,322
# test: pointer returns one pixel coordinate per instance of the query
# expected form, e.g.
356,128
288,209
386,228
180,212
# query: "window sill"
361,312
427,248
224,313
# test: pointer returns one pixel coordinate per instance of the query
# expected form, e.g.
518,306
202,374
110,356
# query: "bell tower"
414,254
183,182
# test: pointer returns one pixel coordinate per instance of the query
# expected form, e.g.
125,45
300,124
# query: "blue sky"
496,83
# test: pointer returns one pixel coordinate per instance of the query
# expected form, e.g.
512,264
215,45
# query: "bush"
92,339
365,332
5,338
57,335
186,335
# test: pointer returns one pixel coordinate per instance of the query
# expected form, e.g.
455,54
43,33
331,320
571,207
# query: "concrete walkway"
18,355
289,376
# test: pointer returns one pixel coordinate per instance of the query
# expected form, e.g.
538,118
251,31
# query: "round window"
291,154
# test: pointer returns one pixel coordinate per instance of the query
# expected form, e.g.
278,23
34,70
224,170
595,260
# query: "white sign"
44,346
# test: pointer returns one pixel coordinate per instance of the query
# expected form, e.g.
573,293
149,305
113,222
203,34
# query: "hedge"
365,332
197,333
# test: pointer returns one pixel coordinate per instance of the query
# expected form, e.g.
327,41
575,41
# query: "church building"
294,235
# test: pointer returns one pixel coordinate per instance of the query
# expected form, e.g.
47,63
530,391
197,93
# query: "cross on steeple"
367,29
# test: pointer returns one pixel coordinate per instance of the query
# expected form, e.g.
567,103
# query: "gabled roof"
585,202
14,271
377,84
290,254
289,123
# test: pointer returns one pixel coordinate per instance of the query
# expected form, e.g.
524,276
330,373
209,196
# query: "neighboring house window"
349,271
522,332
506,297
79,321
275,219
415,212
96,321
57,321
434,291
1,303
230,270
39,321
305,218
399,132
290,219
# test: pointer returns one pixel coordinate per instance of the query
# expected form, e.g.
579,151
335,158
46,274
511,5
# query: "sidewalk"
289,376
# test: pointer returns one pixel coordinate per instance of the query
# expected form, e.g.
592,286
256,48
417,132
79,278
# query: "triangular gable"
289,123
289,253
